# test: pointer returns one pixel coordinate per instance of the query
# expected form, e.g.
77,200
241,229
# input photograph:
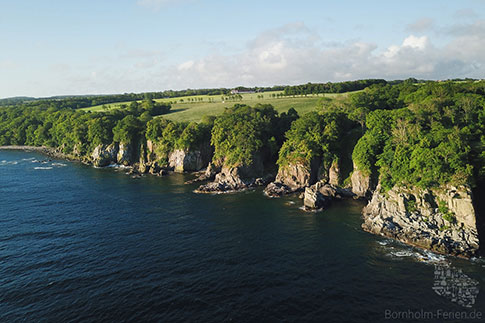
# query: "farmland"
193,108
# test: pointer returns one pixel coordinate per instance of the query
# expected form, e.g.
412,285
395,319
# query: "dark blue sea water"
78,243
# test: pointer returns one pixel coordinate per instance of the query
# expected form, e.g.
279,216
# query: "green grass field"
193,108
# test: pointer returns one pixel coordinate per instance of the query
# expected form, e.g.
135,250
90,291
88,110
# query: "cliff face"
362,183
103,155
125,154
182,160
442,220
237,178
189,160
293,178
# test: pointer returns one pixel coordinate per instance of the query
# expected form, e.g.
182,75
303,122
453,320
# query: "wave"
12,162
396,251
59,164
118,166
43,168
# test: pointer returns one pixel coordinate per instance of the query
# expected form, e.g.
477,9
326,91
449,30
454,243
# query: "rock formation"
125,154
292,178
320,195
442,220
237,178
362,183
184,160
103,155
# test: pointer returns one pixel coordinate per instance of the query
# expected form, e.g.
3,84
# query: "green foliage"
241,132
127,129
410,205
432,142
446,213
313,136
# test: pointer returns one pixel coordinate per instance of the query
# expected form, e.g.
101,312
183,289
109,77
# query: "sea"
79,243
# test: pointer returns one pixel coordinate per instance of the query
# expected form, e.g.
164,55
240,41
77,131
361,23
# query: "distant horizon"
223,87
146,45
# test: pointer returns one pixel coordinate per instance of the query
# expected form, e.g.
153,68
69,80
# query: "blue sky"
50,47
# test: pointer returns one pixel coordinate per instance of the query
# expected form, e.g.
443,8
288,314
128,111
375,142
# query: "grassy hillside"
193,108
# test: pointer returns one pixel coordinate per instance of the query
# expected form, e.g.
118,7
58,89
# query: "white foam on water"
43,168
425,256
403,253
118,166
25,159
58,164
12,162
384,242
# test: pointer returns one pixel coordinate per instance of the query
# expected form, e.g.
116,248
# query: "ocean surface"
85,244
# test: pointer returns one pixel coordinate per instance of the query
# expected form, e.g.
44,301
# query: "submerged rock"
442,220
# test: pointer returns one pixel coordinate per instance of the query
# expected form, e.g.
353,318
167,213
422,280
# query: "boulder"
314,200
321,194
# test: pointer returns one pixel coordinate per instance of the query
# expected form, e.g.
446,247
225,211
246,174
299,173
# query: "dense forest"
423,134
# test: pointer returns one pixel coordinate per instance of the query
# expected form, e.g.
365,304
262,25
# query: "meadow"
193,108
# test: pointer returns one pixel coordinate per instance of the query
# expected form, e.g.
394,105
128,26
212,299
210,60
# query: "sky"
51,47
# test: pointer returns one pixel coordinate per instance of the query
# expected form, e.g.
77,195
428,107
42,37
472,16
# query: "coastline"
48,151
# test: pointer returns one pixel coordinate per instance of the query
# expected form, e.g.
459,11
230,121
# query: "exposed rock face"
334,174
208,175
104,155
188,160
293,178
125,154
321,194
314,200
362,184
239,178
441,220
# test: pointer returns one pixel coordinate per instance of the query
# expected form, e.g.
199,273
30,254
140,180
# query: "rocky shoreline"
442,220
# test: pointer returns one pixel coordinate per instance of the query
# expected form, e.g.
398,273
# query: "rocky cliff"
103,155
442,220
293,177
362,183
321,194
237,178
184,160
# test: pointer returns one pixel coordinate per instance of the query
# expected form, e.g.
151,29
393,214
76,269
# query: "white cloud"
297,56
291,54
415,42
186,65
